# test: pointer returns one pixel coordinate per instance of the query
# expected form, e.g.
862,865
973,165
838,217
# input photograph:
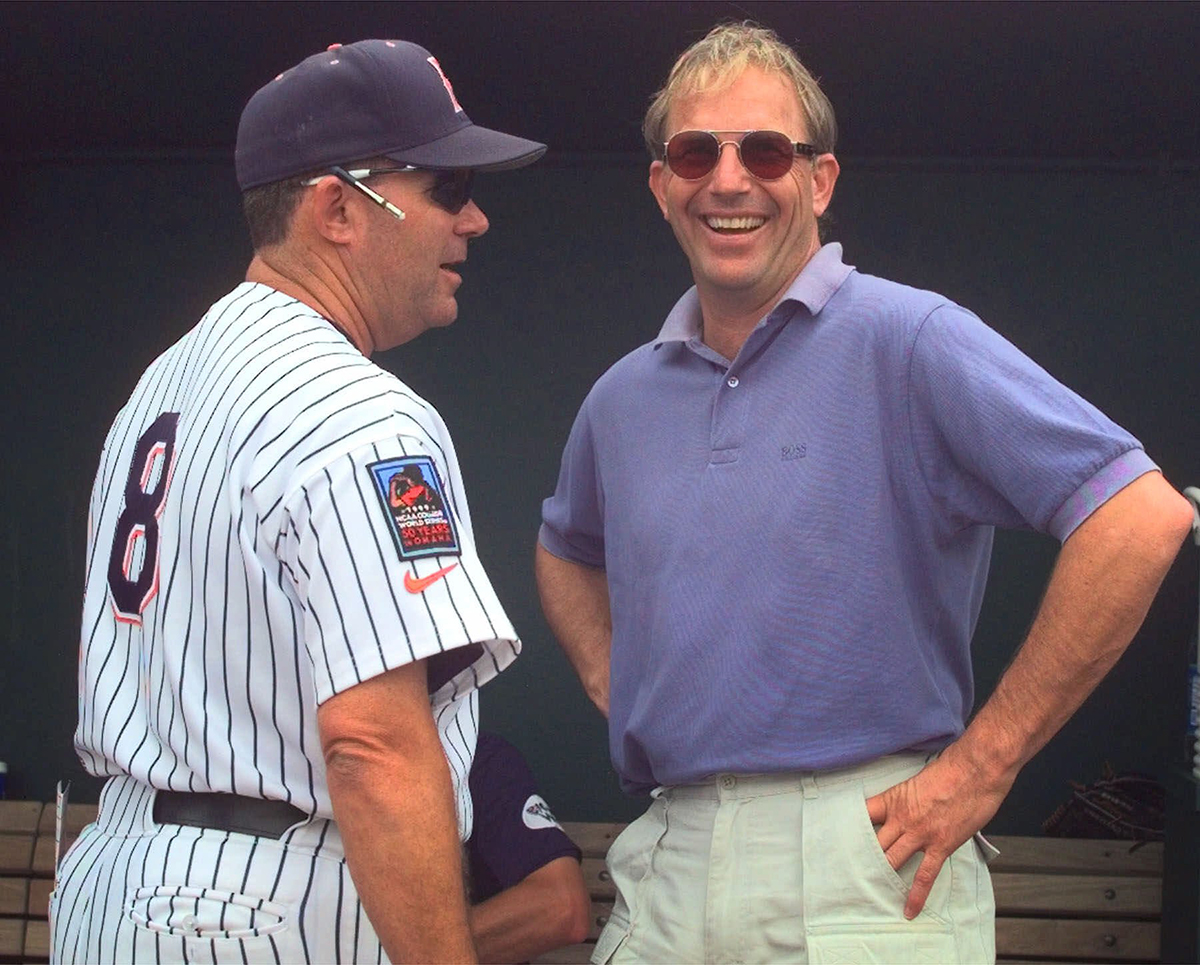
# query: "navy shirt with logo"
515,833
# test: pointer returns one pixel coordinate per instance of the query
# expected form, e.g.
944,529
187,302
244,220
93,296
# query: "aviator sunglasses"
451,190
768,155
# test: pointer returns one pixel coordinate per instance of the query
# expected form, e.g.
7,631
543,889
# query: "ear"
658,185
327,211
825,175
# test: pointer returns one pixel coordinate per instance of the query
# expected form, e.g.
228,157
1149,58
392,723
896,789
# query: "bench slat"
596,877
77,816
42,864
16,853
19,817
1001,960
37,940
12,937
39,897
600,911
14,896
1087,940
1097,896
592,837
1079,856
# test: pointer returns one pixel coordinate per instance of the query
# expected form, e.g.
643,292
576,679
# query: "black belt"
227,812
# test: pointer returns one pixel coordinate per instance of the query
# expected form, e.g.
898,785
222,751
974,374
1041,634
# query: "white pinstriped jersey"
247,560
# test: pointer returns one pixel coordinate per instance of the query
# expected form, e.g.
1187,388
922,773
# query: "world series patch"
412,496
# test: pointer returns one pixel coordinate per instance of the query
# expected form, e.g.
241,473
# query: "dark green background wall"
1085,258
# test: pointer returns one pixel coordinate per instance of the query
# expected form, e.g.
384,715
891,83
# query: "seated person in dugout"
527,891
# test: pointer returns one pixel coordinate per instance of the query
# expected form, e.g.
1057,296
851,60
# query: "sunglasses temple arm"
375,196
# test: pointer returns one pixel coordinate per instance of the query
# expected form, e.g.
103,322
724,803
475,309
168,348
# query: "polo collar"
813,287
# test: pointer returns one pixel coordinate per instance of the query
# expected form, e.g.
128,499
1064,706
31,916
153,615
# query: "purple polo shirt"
797,542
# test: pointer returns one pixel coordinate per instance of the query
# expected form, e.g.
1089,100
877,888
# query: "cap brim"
472,147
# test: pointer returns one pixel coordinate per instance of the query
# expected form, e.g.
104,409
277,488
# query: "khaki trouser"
786,868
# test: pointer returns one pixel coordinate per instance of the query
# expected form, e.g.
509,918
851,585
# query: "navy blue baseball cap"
374,97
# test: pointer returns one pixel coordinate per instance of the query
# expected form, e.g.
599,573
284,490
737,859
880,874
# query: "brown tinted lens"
692,154
767,154
452,189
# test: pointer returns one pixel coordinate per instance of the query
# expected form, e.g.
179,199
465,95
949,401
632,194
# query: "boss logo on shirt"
795,451
413,499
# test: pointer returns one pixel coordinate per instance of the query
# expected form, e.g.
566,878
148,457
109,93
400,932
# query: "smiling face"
745,239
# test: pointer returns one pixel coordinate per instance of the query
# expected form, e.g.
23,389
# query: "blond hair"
719,59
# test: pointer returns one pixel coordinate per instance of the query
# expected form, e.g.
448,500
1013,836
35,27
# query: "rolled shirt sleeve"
999,441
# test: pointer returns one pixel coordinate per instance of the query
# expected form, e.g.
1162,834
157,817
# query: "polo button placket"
728,419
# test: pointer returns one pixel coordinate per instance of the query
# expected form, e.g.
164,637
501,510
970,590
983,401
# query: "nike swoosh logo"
420,585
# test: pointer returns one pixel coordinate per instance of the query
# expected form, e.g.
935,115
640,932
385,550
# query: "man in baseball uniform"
768,547
280,661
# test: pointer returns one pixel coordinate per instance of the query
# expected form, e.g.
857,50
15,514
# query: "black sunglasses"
768,155
451,190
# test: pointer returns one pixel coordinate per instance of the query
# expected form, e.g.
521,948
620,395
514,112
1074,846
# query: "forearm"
404,855
393,801
1106,576
575,601
547,910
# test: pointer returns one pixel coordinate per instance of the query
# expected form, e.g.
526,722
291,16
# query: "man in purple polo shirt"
768,545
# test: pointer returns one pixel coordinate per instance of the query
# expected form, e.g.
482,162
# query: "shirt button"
189,923
728,781
732,381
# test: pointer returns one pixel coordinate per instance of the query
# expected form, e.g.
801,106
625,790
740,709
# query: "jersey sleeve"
379,545
573,518
1000,441
514,832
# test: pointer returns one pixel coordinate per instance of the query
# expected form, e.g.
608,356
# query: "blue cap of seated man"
362,100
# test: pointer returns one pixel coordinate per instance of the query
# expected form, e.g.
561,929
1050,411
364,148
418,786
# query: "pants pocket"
899,879
855,909
204,913
855,882
629,858
854,899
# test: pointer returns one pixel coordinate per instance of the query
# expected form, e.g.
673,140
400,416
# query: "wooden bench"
1057,899
27,874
